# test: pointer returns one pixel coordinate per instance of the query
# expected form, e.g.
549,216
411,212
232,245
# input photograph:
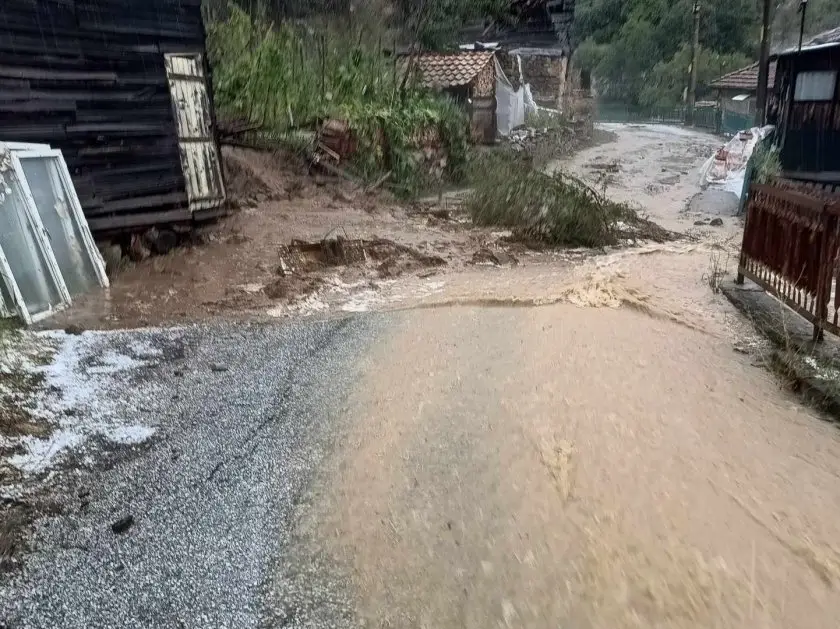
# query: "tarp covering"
512,106
726,169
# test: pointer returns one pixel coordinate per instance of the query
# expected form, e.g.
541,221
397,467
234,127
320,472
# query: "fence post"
824,280
739,279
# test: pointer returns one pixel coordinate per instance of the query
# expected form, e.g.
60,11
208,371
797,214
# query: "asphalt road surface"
244,416
602,460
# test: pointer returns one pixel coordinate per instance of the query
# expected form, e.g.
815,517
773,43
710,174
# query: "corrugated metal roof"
826,39
439,70
744,79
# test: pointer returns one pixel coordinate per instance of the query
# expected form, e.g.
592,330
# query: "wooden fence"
791,246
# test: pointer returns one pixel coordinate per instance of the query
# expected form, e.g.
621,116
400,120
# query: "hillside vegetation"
289,75
639,50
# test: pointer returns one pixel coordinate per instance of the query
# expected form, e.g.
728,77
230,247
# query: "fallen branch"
378,183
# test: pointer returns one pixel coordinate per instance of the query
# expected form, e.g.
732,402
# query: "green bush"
766,163
555,209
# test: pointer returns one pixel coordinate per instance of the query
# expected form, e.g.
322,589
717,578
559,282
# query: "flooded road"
592,455
570,442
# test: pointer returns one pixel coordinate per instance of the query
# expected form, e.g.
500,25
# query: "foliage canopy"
639,50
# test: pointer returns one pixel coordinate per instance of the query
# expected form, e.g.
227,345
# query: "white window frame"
812,73
77,214
44,248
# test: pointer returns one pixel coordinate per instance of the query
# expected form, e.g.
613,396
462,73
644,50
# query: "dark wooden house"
533,23
805,107
122,88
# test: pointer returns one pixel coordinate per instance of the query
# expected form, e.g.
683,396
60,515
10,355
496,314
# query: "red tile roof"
438,70
745,79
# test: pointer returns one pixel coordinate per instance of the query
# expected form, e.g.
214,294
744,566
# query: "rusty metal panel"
196,141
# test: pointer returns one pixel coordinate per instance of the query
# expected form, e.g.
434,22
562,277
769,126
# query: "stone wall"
547,76
546,72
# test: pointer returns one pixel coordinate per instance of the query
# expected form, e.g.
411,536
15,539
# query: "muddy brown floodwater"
590,452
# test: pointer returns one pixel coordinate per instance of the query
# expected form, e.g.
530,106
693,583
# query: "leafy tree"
668,80
628,59
435,23
635,46
821,16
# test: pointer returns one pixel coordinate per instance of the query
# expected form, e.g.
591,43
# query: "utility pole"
794,70
695,58
763,67
803,9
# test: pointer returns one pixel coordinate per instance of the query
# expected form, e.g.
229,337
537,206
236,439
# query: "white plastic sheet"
510,104
727,168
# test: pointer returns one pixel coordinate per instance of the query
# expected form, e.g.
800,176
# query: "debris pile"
302,263
556,210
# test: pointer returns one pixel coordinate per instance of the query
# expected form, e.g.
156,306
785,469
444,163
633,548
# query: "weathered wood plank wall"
88,77
812,136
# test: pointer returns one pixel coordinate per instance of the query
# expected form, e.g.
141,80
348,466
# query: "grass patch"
552,209
766,163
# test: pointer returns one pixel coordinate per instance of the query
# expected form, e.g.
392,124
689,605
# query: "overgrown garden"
290,75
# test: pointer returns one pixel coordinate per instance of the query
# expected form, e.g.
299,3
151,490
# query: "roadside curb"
813,369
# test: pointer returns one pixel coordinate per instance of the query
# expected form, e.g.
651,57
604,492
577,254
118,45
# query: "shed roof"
744,79
438,70
826,39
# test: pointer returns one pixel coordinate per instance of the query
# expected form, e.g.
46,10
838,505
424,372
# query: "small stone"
74,330
698,223
496,258
122,525
344,196
178,373
716,222
218,367
84,492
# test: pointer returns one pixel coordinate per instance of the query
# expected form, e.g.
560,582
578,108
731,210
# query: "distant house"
122,88
470,78
805,107
736,91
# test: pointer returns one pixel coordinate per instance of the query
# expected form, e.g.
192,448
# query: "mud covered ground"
593,453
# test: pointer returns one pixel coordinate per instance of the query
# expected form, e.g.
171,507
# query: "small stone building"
536,45
470,78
